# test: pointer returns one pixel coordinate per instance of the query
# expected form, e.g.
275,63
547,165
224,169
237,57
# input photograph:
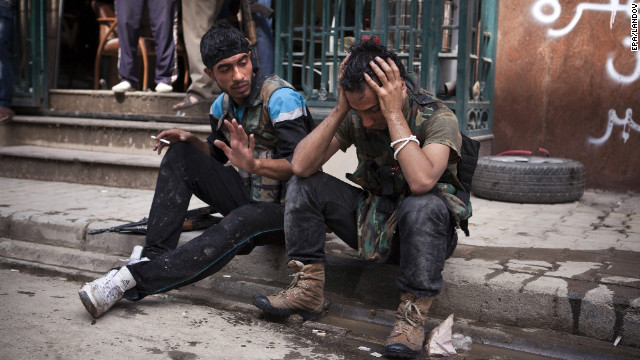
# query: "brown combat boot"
304,296
407,337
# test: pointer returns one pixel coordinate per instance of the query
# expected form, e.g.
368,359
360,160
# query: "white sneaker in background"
164,88
124,86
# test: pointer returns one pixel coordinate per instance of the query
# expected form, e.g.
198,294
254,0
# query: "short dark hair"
220,42
361,53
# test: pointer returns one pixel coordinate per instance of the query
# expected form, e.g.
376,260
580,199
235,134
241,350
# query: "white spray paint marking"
614,6
627,124
537,10
615,75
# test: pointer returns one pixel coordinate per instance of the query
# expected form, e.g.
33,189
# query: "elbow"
421,187
301,171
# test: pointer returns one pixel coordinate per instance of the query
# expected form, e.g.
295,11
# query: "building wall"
567,82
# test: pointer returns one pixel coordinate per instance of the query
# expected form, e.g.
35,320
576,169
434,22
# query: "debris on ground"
439,341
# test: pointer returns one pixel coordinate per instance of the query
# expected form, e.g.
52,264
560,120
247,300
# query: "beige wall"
559,86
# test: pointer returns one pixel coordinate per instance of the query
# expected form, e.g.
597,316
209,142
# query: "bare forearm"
278,169
313,151
417,167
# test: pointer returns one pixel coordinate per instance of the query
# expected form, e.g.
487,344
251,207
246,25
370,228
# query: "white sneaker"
136,256
124,86
164,88
101,294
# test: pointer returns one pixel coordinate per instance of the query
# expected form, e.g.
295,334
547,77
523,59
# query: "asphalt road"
41,317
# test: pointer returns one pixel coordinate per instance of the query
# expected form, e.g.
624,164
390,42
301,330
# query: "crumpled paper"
439,339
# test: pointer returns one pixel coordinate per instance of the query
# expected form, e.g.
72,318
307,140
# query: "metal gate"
450,44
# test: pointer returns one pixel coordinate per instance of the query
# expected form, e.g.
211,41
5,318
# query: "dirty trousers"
425,236
186,171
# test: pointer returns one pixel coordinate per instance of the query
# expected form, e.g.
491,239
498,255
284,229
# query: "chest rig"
256,121
380,174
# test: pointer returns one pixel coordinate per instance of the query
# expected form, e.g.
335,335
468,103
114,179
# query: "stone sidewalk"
572,267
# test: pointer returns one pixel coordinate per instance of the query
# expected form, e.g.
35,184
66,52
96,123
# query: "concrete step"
157,107
135,105
590,291
79,166
101,135
98,151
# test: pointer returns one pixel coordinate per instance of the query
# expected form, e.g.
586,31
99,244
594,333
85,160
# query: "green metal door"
30,55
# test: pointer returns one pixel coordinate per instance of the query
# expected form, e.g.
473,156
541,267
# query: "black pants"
426,235
186,171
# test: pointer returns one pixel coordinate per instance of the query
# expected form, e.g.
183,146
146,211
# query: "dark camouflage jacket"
379,174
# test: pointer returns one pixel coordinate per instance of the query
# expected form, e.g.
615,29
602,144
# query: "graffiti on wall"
540,12
626,123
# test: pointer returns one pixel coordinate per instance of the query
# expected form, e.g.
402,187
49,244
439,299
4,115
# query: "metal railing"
449,44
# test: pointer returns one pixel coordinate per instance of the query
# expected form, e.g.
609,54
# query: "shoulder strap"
272,84
467,165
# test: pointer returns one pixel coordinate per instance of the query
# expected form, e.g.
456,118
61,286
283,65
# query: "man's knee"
179,150
299,189
418,208
184,158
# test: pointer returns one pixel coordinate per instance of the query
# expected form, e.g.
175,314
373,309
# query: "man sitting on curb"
274,118
408,144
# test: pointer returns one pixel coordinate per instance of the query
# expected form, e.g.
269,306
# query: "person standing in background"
163,20
265,43
197,17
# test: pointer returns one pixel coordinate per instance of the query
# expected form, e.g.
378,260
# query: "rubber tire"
538,180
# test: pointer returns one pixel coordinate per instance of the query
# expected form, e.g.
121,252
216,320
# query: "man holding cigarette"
273,118
407,209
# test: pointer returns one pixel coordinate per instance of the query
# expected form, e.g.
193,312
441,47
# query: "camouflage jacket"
379,174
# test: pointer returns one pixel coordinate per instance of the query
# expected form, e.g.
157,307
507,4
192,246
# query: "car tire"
523,179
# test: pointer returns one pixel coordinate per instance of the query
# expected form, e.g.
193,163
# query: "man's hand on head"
240,148
342,104
392,91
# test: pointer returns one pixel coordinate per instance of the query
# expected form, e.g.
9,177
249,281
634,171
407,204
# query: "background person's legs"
129,16
163,16
265,40
197,17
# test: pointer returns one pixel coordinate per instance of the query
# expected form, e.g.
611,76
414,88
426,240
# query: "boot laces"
296,277
411,314
293,286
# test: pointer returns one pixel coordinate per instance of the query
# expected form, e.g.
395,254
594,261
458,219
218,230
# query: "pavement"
569,268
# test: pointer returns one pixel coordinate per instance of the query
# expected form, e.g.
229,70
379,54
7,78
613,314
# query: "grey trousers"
425,236
197,17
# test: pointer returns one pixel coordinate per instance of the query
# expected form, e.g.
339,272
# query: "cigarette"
162,140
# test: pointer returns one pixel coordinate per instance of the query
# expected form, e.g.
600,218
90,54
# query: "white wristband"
405,142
